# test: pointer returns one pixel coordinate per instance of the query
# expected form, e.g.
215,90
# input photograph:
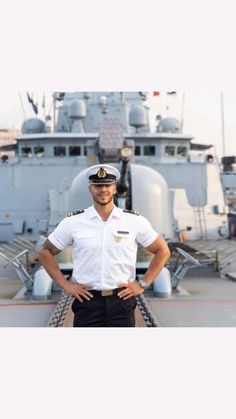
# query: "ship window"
26,152
169,150
149,150
39,151
59,151
137,150
74,151
85,150
182,151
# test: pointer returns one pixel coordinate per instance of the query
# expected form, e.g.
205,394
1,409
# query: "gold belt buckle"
106,293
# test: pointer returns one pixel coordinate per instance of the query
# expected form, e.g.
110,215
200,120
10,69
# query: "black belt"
106,293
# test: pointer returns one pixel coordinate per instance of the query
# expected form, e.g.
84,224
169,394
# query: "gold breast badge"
118,239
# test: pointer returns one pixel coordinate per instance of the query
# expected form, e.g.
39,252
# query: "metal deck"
206,298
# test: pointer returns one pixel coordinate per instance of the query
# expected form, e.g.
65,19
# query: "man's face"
102,194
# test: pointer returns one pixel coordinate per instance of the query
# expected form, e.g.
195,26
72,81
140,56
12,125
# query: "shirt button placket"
103,254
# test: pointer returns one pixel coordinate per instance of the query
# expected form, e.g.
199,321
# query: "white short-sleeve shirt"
104,252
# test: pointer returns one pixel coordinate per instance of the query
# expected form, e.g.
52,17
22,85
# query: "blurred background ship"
88,128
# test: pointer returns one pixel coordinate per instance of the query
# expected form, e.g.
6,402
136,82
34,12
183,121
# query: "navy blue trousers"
99,311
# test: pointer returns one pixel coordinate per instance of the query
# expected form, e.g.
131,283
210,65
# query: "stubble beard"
103,203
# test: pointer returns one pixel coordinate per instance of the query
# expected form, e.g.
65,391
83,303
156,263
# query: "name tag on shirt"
122,232
119,235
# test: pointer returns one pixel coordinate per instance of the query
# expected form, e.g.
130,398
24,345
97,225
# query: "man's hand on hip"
132,289
78,291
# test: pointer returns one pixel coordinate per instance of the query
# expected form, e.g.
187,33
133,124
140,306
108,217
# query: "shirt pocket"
123,238
87,240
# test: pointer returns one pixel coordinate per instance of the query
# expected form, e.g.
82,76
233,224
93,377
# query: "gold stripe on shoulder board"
69,214
131,212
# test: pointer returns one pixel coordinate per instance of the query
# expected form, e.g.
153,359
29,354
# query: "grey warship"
45,179
92,128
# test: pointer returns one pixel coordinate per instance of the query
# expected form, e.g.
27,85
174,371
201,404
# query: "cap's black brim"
102,182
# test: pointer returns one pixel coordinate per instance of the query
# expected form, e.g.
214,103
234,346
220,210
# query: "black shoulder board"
74,213
132,212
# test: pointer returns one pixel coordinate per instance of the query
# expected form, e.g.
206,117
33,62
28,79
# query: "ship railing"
22,247
182,260
22,255
21,270
205,257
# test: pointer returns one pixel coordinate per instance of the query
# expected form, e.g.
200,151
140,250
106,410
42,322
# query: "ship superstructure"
93,127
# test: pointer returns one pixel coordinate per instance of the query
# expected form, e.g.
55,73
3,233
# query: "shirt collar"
116,212
92,213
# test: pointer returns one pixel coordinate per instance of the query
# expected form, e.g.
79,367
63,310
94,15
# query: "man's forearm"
51,266
157,263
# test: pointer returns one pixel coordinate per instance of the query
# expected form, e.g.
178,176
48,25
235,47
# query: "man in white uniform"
104,240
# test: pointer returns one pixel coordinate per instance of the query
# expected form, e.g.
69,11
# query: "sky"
201,110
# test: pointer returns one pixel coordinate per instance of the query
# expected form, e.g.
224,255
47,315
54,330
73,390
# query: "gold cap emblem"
101,173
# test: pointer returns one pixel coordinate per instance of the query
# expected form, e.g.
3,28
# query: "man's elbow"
166,252
42,254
